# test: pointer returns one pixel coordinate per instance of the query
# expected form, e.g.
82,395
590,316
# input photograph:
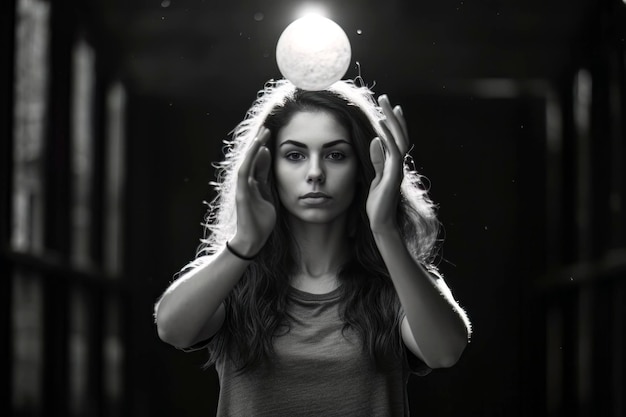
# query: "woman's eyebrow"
324,146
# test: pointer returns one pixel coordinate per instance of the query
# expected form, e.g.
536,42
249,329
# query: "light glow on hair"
221,221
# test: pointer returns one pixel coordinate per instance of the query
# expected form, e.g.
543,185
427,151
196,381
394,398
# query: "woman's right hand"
256,214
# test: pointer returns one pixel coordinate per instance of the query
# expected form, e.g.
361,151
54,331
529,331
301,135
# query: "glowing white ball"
313,52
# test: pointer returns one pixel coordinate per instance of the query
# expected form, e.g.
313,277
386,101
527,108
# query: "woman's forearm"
438,324
186,312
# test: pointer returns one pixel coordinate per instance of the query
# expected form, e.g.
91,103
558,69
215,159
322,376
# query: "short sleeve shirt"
318,370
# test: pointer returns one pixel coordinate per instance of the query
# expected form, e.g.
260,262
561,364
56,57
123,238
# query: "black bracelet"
238,255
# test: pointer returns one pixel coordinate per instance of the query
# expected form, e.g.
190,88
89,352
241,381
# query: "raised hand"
387,155
256,214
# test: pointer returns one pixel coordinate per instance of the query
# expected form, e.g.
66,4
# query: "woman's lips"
315,198
315,195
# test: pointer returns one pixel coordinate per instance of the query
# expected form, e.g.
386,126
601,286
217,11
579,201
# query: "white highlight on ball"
313,52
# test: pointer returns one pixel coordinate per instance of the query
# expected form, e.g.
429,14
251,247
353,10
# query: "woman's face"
315,167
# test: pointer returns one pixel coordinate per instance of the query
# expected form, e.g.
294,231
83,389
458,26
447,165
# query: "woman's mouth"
315,195
315,198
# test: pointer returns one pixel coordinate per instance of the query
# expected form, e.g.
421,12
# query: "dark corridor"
112,113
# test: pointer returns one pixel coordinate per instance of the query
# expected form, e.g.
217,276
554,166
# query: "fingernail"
400,111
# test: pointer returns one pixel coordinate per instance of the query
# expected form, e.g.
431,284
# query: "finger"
400,116
393,162
394,123
263,135
377,156
248,160
262,165
388,141
261,172
389,113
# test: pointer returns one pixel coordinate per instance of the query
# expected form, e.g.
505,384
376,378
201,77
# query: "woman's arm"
435,329
191,309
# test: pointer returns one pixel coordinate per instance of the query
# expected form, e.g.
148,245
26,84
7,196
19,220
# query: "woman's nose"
316,172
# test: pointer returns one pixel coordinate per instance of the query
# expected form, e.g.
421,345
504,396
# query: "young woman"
314,289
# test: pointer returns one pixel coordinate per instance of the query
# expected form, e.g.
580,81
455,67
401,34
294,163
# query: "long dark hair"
256,309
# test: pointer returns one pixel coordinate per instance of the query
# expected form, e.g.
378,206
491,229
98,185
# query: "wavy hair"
256,308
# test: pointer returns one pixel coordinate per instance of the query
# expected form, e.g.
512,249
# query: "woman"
314,288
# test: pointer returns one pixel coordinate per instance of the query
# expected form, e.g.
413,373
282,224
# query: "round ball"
313,52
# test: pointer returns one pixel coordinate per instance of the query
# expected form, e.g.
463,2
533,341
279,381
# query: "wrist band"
238,255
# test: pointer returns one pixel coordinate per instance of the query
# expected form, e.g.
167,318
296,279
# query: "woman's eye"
294,156
336,156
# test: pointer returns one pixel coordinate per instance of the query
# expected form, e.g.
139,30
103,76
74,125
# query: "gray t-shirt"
318,371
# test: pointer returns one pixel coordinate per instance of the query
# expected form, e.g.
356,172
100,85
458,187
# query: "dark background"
475,80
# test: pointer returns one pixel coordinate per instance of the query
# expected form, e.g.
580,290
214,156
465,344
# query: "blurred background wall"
112,112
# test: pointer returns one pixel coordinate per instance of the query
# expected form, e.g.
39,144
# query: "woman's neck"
323,249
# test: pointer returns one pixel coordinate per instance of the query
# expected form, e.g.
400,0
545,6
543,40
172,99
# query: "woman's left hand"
387,155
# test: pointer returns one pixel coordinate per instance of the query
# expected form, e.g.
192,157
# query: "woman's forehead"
313,126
